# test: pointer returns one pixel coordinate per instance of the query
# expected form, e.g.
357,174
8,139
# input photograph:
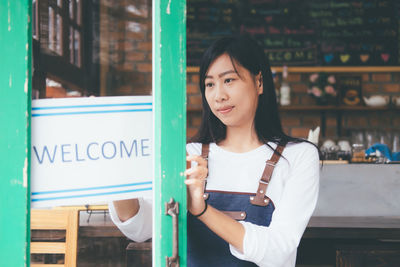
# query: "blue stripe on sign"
90,112
94,106
90,188
93,195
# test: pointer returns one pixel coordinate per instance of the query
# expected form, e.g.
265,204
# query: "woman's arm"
137,227
126,208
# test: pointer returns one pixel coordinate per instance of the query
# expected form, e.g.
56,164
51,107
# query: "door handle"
172,209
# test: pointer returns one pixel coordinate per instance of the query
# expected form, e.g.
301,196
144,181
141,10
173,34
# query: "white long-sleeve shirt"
293,189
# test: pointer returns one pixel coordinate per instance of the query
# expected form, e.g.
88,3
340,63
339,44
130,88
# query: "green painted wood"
169,91
15,99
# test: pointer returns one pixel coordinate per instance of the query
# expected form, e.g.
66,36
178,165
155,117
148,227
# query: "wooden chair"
56,219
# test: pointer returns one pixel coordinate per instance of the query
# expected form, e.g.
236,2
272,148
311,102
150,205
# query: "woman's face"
232,96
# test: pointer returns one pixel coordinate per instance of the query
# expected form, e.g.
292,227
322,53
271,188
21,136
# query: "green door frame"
169,83
15,99
169,93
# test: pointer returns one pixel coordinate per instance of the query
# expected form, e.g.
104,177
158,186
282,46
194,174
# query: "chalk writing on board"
295,32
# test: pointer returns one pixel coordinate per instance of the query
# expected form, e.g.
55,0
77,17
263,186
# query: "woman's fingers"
199,159
199,172
193,181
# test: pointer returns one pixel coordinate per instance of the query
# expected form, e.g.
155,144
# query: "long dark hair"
245,51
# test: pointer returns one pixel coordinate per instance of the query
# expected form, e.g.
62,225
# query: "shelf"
321,108
336,108
295,69
339,110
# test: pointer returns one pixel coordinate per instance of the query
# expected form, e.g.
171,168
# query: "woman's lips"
225,110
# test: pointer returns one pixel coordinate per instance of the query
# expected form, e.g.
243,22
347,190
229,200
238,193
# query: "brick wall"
297,123
125,46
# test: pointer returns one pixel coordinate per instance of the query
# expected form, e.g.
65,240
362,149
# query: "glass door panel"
94,48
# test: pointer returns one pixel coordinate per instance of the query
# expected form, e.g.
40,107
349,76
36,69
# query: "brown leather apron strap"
236,215
205,149
260,199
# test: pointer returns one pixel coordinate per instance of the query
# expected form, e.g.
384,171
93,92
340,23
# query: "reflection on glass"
396,142
34,19
58,28
100,48
51,29
71,9
371,137
91,48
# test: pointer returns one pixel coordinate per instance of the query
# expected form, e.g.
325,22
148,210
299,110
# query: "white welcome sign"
91,150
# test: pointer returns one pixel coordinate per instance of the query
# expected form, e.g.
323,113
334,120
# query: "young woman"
251,188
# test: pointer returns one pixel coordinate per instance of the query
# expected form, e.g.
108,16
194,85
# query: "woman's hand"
196,178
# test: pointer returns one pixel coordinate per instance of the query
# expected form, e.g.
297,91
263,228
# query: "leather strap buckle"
236,215
259,200
270,163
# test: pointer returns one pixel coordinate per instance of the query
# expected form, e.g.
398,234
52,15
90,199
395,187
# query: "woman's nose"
220,93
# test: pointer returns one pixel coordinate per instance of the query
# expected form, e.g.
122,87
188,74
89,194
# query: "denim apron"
204,247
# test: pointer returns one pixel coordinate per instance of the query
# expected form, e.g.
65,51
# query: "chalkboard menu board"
302,33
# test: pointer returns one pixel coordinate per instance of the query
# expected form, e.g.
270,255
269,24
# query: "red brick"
195,100
149,79
371,88
391,88
191,132
116,35
149,56
134,56
376,120
311,121
134,35
329,132
127,46
330,121
192,89
290,121
144,67
294,77
396,122
142,90
307,100
195,78
357,121
396,77
365,77
55,92
146,46
381,77
121,67
299,87
195,120
286,130
300,132
123,90
294,99
127,66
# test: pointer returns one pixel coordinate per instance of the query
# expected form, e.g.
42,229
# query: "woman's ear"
259,83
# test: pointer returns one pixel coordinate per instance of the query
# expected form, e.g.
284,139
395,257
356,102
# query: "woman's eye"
228,80
209,85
